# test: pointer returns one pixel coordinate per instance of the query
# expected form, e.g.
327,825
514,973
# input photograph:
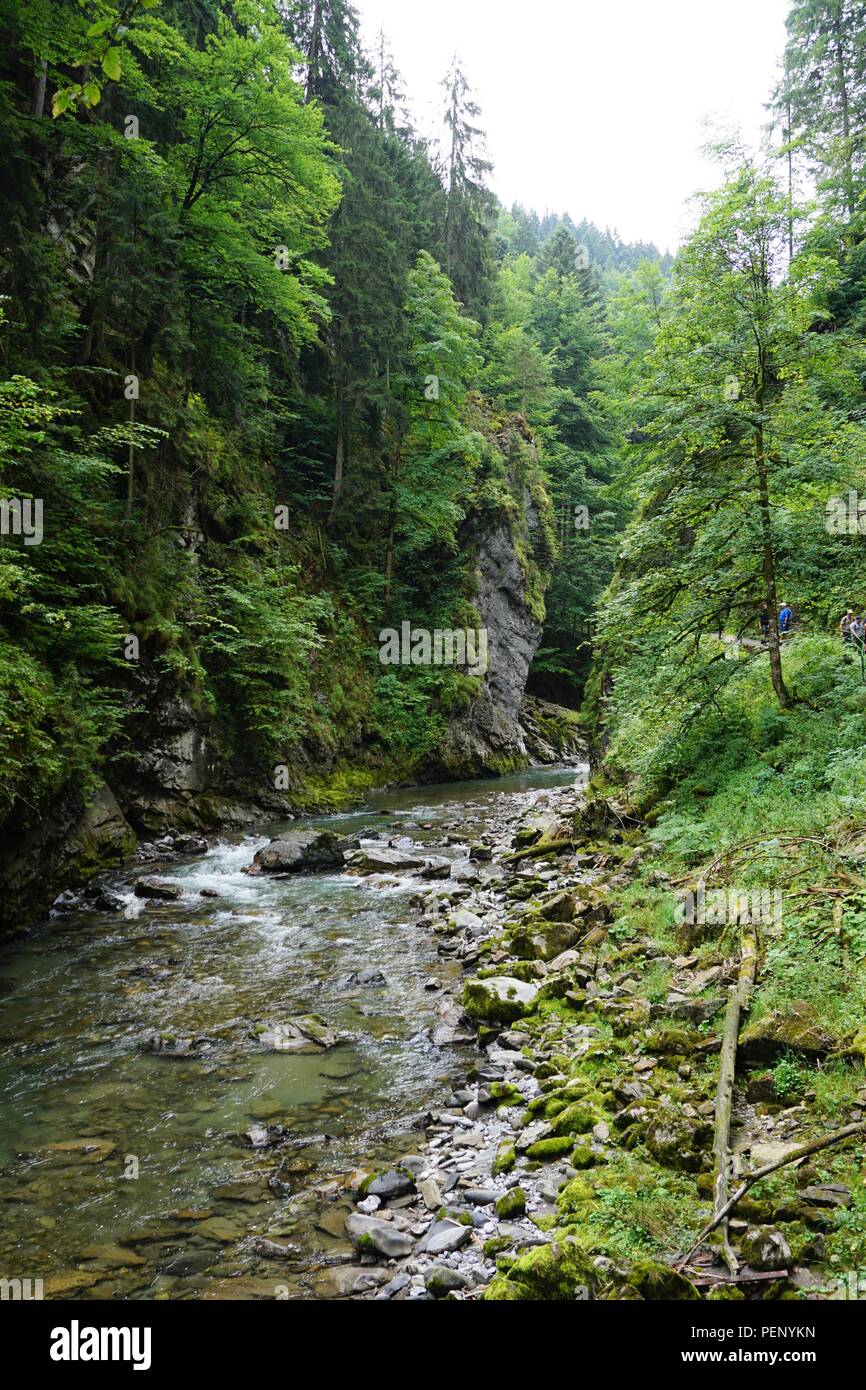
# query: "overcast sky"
594,108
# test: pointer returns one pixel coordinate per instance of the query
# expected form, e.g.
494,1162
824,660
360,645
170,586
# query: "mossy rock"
546,1149
558,1273
537,939
575,1197
725,1293
511,1203
577,1118
502,998
656,1281
583,1157
504,1095
506,1157
797,1029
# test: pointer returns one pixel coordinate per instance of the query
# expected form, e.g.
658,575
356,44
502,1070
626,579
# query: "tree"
469,203
822,95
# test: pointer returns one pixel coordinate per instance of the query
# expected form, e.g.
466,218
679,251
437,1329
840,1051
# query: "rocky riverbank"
575,1157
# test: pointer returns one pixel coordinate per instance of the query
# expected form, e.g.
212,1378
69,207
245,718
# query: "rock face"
65,848
301,851
489,735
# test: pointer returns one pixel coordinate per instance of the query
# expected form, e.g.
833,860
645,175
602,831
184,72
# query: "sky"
594,107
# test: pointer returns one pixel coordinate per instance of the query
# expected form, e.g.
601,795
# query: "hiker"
845,624
764,620
857,631
786,616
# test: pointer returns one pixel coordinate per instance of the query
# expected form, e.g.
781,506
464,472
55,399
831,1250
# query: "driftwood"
738,1002
802,1151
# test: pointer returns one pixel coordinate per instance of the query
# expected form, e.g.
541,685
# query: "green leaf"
91,93
100,27
111,64
63,100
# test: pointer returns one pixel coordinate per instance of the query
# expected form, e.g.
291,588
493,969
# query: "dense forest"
272,364
282,376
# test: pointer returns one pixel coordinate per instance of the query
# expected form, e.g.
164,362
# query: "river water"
126,1172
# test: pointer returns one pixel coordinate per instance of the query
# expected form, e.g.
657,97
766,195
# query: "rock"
394,1286
373,1237
304,1033
369,978
655,1281
552,1273
798,1030
436,868
501,998
512,1203
464,920
441,1280
301,851
114,1256
826,1194
431,1193
764,1247
376,860
157,888
445,1236
480,1196
391,1184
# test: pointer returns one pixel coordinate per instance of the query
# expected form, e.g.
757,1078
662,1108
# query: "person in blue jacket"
785,617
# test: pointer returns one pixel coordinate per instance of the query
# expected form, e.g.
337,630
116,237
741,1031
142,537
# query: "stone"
373,1237
441,1280
445,1236
304,1033
511,1204
501,997
157,888
301,851
382,860
765,1248
798,1029
391,1184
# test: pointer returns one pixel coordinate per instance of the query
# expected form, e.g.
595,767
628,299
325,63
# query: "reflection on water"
164,1198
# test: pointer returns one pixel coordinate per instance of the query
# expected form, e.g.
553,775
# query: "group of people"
786,618
852,628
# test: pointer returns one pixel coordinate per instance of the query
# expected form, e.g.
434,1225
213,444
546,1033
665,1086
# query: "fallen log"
738,1002
795,1156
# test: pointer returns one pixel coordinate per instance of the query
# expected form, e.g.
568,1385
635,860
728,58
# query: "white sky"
594,108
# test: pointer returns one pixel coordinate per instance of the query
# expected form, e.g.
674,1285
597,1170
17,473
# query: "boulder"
305,1033
764,1247
373,1237
501,998
384,860
157,888
301,851
797,1029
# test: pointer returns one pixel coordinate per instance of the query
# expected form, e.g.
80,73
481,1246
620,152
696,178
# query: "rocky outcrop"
80,837
489,736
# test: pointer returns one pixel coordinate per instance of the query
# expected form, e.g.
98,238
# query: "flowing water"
167,1195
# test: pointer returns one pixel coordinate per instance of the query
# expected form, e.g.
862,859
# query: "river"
126,1172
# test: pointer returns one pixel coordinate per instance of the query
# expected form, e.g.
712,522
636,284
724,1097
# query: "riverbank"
474,1056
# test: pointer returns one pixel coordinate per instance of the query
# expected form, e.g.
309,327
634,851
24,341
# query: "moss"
549,1148
583,1157
506,1157
495,1246
512,1203
505,1095
560,1272
654,1280
574,1119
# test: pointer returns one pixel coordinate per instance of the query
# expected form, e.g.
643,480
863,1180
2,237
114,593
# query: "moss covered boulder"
557,1273
797,1029
502,998
655,1281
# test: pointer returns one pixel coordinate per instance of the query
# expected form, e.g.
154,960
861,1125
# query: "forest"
324,472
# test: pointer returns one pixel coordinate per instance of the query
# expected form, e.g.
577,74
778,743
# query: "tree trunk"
39,90
339,458
846,118
768,554
738,1001
389,557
